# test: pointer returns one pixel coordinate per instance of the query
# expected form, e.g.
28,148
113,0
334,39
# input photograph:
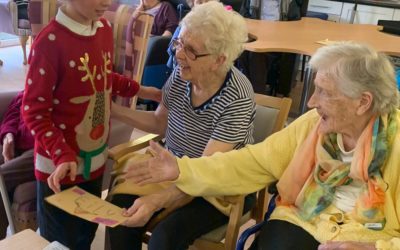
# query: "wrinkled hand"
162,167
141,211
8,147
346,245
150,93
61,171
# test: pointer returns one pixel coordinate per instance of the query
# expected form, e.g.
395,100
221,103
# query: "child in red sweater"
66,106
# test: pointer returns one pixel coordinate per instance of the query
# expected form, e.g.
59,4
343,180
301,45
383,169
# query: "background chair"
22,28
21,213
131,36
156,72
271,115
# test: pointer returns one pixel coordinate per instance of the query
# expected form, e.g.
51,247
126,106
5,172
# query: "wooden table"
24,240
301,36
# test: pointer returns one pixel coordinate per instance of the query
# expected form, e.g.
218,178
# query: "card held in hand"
82,204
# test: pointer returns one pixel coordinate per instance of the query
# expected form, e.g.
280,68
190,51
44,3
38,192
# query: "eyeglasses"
177,44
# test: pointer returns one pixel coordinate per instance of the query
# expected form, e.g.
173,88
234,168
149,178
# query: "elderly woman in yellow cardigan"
338,165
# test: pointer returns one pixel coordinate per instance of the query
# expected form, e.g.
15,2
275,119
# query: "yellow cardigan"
255,166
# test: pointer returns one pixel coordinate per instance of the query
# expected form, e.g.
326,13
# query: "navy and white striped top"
227,116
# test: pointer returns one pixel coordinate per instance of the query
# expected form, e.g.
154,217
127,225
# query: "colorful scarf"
309,182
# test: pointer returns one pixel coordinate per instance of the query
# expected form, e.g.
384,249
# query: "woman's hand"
8,147
61,171
162,167
141,211
346,245
150,93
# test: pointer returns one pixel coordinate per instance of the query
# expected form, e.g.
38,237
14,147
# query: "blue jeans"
57,225
177,231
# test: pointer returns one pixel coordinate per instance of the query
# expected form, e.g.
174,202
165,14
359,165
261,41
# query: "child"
66,106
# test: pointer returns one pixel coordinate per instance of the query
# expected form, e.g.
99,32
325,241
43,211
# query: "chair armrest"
234,219
120,150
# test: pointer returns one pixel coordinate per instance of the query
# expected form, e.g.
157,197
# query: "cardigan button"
333,229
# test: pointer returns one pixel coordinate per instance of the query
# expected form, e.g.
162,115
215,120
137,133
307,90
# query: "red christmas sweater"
67,99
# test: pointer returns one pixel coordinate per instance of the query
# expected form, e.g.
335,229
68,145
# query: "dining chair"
21,27
271,116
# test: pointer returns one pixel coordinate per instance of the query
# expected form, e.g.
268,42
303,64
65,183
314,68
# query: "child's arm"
64,169
150,93
126,87
37,107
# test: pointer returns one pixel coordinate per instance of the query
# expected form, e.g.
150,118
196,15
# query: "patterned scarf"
309,183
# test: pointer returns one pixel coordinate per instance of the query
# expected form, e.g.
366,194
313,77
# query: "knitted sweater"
255,166
67,98
13,123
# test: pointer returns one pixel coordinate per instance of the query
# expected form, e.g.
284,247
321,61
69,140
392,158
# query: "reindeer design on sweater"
92,131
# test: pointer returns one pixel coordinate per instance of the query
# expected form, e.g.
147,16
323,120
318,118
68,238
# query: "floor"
12,77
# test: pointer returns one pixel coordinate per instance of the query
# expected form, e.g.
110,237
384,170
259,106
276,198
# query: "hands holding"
150,93
162,167
346,245
66,168
141,211
8,147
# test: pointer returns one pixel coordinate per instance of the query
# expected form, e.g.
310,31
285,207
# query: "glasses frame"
177,44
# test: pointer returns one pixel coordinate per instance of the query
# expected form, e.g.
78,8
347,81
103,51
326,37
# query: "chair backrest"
40,13
155,71
269,108
271,115
131,34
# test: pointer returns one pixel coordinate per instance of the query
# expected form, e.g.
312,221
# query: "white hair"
224,32
358,68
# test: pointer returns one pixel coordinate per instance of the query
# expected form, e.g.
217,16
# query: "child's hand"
61,171
150,93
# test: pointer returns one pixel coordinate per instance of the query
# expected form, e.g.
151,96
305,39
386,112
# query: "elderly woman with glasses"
207,107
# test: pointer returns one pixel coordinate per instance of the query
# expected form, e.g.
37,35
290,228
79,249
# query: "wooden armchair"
271,115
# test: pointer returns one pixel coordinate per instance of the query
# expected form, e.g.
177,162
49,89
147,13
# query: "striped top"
227,116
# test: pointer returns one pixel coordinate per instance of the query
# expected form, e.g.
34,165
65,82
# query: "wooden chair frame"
236,218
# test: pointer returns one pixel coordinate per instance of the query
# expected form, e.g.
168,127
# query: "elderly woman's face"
193,59
337,111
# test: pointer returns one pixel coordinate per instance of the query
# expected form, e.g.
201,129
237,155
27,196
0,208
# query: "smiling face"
339,113
86,11
197,69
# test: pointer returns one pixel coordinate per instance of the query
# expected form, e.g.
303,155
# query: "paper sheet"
82,204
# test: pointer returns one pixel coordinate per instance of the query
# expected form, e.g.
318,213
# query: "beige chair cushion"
264,122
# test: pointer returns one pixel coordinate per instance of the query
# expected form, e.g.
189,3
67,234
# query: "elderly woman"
207,107
165,16
337,165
